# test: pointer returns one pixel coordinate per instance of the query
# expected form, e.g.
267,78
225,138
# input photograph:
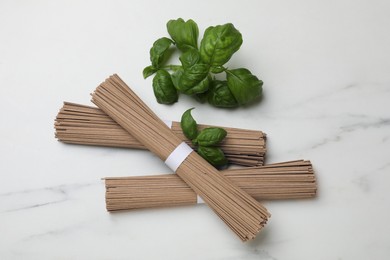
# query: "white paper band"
168,123
199,200
178,156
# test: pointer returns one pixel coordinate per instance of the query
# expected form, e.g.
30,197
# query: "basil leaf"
194,79
185,34
159,50
201,87
213,155
163,88
189,125
189,58
244,86
176,76
148,71
218,45
201,97
210,136
220,95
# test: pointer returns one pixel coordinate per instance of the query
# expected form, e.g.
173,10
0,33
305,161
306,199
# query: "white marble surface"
326,68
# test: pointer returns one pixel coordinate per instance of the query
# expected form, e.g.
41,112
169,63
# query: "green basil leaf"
185,34
176,77
201,97
201,87
220,95
189,125
163,88
211,136
218,45
213,155
244,86
194,79
149,71
159,51
189,58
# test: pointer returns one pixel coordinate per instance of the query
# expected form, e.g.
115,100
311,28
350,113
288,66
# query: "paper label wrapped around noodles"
176,158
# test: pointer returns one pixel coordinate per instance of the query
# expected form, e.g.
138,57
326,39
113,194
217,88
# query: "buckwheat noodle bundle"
242,213
80,124
287,180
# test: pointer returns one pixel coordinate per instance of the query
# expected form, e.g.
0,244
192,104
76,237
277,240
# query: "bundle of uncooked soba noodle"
288,180
79,124
242,213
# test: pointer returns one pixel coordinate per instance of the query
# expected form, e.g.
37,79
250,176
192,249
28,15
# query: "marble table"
326,72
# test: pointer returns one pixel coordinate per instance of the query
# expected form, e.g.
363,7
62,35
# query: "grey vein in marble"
344,130
34,206
56,232
35,198
364,181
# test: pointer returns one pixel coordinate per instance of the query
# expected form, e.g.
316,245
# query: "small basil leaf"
218,45
211,136
189,125
200,88
185,34
220,95
189,58
244,86
163,88
201,97
159,50
194,79
213,155
148,71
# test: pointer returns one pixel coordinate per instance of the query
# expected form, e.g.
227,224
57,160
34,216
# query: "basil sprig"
195,75
205,140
